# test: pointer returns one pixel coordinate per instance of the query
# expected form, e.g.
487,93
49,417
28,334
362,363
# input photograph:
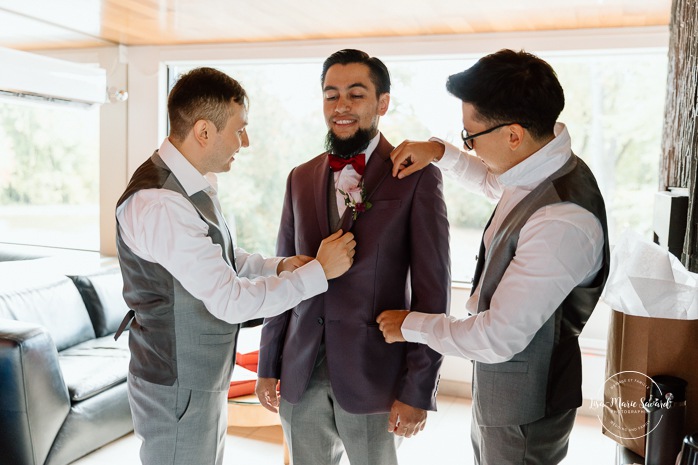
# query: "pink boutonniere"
354,199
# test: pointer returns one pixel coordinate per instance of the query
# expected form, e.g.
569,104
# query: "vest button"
320,321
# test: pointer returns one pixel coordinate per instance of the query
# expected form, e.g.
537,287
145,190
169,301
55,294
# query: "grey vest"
545,378
173,337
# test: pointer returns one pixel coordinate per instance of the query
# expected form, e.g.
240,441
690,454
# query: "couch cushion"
102,292
94,366
33,292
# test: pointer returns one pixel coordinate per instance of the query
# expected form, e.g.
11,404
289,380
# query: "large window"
49,174
614,113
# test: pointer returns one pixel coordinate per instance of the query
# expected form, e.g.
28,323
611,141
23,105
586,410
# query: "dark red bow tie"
357,161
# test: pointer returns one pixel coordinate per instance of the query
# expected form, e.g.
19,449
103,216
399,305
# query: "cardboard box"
639,348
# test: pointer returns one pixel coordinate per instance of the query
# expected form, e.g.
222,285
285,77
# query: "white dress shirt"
559,248
347,178
161,226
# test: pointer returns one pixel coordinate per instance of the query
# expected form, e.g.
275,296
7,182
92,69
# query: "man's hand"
336,254
412,156
267,394
390,323
405,420
291,263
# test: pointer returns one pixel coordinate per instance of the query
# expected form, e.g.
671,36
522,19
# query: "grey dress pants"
318,430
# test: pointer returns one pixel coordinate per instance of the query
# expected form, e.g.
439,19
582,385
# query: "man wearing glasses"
542,264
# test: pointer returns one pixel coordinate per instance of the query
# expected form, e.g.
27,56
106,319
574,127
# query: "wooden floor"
445,441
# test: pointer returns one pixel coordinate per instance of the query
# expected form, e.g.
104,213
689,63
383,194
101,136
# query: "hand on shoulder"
412,156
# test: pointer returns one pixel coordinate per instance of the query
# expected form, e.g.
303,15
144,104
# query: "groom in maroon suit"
342,387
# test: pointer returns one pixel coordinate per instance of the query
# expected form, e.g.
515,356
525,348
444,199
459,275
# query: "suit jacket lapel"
377,168
321,177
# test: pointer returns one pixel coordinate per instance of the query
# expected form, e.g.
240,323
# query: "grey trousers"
543,442
178,426
318,430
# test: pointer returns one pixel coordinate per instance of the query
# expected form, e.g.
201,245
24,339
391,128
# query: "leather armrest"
34,401
102,293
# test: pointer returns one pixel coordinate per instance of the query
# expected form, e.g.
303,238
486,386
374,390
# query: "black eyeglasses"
467,140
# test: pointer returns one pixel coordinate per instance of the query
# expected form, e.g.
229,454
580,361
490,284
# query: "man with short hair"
342,387
542,264
186,283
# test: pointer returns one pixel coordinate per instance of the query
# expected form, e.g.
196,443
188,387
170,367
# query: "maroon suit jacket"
401,261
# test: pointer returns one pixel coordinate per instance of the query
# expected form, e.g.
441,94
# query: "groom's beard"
345,148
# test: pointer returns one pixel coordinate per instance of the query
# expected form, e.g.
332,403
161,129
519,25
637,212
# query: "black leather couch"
62,375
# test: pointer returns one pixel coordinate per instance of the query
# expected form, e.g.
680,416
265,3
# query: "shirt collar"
372,146
542,163
192,181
